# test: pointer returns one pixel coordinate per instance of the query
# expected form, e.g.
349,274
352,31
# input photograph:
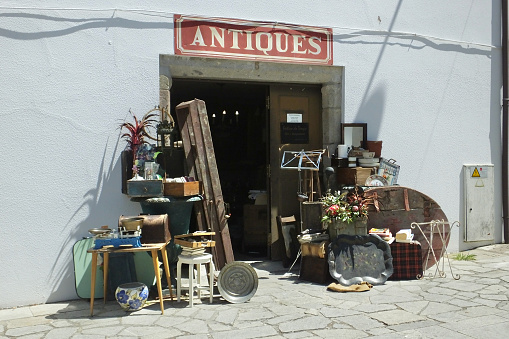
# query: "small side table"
152,248
192,260
436,230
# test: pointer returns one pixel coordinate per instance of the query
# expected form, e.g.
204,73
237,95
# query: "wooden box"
196,240
144,188
314,269
353,175
182,189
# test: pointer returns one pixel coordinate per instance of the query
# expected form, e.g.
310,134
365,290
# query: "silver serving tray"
357,258
237,282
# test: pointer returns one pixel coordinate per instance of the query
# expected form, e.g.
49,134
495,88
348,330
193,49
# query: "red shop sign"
240,39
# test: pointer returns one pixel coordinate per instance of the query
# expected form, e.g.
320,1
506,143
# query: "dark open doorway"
238,121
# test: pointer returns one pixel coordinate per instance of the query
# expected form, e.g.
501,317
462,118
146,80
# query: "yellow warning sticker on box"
477,172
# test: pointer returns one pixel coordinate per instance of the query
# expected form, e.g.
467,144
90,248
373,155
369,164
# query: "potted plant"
135,134
345,213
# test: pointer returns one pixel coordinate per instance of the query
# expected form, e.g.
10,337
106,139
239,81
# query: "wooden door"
289,102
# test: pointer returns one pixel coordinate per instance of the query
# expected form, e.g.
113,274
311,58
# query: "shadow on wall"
103,203
371,112
80,25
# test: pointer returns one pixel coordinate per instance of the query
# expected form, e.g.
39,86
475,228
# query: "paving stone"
215,327
20,331
193,326
499,330
479,311
256,332
139,319
471,323
248,324
15,313
361,322
402,328
379,331
438,331
194,336
436,308
106,330
332,312
499,297
170,321
25,322
255,315
167,333
139,331
413,306
305,324
442,291
486,302
299,335
283,318
395,317
340,333
227,316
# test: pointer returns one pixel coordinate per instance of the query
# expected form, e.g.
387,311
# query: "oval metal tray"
357,258
237,282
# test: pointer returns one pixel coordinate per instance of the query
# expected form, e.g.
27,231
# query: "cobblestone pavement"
475,306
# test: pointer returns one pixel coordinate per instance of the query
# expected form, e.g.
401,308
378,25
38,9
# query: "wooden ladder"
201,164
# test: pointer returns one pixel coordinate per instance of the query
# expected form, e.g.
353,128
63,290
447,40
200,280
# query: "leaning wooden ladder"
201,164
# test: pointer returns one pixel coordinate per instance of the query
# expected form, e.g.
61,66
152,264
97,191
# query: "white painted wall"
70,73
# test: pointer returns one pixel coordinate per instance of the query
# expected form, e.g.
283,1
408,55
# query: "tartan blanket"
406,260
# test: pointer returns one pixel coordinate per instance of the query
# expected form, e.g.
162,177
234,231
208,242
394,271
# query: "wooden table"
153,248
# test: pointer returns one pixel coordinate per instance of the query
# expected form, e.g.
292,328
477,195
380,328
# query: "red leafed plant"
137,131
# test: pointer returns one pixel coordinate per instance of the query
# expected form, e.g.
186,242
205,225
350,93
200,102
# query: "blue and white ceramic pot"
132,296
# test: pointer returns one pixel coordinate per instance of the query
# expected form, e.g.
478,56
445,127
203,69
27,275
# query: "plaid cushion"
406,260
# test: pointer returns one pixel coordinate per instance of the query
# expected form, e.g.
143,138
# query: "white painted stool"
192,260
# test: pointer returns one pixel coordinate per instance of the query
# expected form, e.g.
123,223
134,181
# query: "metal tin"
237,282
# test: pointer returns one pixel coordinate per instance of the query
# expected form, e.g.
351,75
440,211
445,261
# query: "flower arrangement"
346,207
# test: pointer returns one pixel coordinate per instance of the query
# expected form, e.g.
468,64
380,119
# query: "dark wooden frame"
364,132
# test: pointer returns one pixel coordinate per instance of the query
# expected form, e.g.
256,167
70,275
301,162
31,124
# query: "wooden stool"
192,260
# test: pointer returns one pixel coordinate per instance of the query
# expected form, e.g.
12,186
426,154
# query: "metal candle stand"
428,229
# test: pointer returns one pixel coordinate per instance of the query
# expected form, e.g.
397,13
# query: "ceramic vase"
132,296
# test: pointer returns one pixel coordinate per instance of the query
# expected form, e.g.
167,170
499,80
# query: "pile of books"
383,233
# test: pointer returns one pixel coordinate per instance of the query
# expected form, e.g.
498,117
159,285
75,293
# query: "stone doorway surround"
329,77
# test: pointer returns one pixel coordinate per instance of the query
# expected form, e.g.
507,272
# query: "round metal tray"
237,282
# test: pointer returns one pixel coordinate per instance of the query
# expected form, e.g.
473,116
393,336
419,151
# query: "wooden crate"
182,189
195,240
352,176
314,269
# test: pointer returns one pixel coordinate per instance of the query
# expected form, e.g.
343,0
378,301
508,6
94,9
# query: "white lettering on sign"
252,40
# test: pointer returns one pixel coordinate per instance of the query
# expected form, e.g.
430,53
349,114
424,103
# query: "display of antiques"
358,161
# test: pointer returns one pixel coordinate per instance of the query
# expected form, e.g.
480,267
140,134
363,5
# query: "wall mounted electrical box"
479,193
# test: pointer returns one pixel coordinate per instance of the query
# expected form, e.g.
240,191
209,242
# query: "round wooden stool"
192,260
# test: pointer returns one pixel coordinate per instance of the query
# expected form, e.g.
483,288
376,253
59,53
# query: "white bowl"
368,155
